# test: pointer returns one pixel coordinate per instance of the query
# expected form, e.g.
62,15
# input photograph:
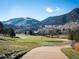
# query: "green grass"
16,47
40,40
71,53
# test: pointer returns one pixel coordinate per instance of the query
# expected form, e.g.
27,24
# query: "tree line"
7,31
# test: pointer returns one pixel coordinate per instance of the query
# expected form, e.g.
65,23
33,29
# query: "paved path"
46,52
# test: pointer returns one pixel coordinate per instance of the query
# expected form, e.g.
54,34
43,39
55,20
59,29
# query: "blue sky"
38,9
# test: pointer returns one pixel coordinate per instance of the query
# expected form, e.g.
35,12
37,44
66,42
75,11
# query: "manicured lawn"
16,47
71,53
40,40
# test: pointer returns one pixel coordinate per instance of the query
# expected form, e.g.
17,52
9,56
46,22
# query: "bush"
74,34
71,35
13,53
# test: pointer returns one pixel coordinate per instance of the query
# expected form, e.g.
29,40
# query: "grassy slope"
71,53
10,47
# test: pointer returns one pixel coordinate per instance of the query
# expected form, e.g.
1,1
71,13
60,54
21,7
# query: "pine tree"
1,27
11,32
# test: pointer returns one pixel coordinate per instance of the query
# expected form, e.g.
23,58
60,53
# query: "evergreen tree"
1,27
31,32
11,32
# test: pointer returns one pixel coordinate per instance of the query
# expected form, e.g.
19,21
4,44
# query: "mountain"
14,21
30,23
22,23
62,19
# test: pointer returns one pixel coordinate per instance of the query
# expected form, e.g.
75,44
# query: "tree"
5,32
71,35
74,35
1,27
31,32
25,32
58,32
51,33
11,32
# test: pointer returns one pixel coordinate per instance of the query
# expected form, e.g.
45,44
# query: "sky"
37,9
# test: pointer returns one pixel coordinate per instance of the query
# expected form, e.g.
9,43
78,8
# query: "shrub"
74,34
71,35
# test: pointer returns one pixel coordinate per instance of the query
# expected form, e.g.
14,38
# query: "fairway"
40,40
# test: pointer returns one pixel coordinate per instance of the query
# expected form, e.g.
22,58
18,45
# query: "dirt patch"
76,46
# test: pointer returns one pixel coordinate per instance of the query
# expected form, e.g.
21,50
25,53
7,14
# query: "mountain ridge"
28,22
62,19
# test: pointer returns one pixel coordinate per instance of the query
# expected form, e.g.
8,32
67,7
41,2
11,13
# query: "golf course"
14,48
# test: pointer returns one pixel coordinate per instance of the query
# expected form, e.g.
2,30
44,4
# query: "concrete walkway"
46,52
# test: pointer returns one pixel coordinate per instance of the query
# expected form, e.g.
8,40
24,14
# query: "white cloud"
49,10
58,9
52,10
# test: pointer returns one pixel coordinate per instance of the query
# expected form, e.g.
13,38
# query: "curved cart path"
46,52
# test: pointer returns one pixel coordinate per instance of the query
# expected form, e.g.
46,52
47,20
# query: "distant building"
71,25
